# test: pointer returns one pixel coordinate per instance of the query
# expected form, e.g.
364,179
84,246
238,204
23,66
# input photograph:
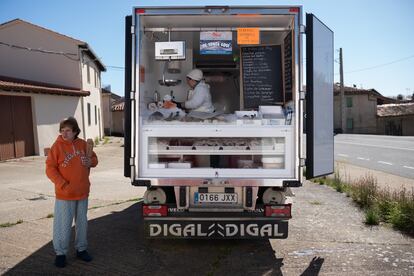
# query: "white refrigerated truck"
226,174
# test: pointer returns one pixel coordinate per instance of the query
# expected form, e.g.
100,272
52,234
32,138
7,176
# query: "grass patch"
401,213
365,191
321,180
372,217
10,224
315,202
105,140
379,205
96,141
50,215
337,183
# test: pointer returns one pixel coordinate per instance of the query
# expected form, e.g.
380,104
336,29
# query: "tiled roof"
349,91
388,110
118,105
15,85
113,95
354,91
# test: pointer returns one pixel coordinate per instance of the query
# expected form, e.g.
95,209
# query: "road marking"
408,167
344,155
386,163
362,158
369,145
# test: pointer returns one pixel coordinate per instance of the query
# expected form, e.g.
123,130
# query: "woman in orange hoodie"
68,166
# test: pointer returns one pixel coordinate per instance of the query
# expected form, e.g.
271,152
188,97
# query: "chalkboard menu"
261,70
288,72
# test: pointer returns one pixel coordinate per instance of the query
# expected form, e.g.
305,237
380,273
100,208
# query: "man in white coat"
199,97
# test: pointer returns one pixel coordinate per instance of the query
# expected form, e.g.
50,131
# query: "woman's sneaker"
60,261
83,255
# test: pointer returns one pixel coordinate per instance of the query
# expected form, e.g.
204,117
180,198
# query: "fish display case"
214,150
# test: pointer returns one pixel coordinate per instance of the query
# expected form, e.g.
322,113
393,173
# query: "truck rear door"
319,98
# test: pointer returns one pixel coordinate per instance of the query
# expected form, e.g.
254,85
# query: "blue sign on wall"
216,43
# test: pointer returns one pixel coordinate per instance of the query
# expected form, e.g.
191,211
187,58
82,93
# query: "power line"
379,65
43,51
67,55
115,67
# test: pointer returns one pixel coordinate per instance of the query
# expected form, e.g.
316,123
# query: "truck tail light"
279,211
154,210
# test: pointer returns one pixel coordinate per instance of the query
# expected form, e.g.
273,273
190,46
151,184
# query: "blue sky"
376,36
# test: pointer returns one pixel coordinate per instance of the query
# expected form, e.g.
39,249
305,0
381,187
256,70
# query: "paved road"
391,154
327,235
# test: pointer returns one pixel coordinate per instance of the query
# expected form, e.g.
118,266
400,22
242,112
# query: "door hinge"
302,162
132,174
302,95
132,29
132,161
302,29
132,95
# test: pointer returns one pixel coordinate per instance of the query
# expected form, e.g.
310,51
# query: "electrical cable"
120,68
379,65
67,55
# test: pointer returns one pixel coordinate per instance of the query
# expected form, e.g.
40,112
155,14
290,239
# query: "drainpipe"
81,86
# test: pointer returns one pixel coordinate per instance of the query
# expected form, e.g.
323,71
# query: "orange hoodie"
65,170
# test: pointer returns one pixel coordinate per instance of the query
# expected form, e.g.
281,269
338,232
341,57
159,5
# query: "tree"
400,97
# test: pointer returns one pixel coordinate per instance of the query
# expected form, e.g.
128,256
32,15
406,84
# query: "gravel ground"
326,237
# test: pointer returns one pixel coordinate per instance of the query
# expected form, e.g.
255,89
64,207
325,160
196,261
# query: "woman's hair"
72,123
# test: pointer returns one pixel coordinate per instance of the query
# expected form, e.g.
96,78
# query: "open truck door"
127,89
319,98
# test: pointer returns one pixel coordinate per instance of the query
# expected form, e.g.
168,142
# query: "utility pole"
341,83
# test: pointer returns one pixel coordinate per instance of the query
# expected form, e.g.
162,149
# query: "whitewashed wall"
95,129
35,66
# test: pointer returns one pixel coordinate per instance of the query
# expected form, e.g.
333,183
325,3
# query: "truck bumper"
214,228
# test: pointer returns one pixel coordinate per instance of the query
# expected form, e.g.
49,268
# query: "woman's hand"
64,185
86,161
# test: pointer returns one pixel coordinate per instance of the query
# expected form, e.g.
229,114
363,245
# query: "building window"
88,72
96,116
349,123
96,78
349,102
89,114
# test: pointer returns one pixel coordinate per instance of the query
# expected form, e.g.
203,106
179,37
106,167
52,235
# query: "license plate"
215,197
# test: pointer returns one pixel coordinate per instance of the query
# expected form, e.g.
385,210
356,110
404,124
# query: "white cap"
195,74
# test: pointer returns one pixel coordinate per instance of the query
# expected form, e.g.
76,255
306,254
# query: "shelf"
216,152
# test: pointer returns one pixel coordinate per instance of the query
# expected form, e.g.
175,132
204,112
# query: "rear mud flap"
223,229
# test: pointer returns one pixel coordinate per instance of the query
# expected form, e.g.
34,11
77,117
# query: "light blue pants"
65,212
